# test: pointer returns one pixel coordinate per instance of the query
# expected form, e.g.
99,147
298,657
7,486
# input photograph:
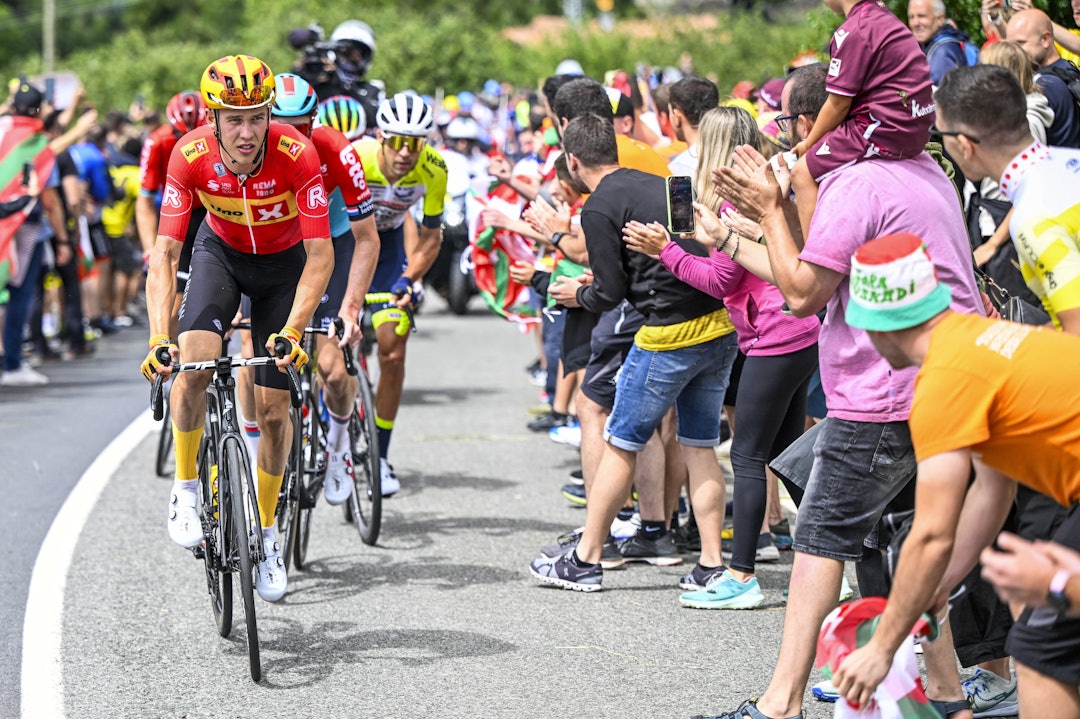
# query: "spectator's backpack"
971,50
1070,77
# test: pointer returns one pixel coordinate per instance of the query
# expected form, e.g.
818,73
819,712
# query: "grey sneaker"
660,551
991,695
562,572
610,558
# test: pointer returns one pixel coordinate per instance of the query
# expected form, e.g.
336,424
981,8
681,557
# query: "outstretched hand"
650,239
750,185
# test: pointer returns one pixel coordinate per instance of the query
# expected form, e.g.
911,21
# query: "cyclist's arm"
313,280
161,284
425,252
146,220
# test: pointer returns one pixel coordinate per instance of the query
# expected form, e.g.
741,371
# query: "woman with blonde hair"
781,355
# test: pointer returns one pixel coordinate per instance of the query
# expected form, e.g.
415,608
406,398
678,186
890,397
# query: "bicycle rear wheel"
246,537
214,522
288,506
366,501
164,465
311,475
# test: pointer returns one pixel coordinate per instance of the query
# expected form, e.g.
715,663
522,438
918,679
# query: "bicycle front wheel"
366,501
246,537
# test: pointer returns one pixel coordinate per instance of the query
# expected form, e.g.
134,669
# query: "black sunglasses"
784,121
934,129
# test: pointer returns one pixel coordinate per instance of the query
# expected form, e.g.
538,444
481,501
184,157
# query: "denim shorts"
859,467
694,379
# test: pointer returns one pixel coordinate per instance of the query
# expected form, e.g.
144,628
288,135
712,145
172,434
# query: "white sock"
190,485
252,435
337,434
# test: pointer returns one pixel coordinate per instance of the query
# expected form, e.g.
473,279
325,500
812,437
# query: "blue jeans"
19,300
552,325
694,379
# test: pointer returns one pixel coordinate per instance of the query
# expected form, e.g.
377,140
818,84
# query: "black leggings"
770,414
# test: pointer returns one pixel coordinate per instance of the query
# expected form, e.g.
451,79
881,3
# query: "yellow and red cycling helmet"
237,82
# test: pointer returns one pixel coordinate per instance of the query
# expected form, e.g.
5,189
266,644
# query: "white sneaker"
339,480
271,580
825,691
185,527
388,480
567,434
25,376
991,695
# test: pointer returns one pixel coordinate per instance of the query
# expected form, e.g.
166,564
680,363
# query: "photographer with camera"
338,66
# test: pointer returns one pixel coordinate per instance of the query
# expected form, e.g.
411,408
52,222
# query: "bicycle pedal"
199,550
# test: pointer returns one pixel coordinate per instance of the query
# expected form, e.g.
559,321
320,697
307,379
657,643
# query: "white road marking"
42,676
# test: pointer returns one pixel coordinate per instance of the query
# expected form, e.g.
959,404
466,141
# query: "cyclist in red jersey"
185,111
265,235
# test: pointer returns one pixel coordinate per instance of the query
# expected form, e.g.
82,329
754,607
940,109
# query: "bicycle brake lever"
156,404
346,351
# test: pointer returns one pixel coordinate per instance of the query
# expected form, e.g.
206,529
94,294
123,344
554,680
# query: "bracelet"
735,247
721,245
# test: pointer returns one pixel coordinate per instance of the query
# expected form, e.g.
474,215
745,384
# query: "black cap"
27,98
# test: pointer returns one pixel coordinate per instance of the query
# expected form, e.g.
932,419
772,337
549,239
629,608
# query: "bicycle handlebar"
346,351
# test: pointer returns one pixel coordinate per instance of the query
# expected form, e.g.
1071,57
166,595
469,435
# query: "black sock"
674,520
626,514
576,561
653,529
705,569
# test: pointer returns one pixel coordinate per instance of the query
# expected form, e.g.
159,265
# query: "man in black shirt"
682,355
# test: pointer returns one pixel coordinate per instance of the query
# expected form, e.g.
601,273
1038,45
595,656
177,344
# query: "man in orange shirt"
984,395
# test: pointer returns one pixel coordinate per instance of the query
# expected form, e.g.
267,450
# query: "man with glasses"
402,169
862,455
266,235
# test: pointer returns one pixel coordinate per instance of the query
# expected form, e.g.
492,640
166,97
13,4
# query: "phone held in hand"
680,204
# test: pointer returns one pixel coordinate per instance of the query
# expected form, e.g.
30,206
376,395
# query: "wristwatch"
1056,596
557,238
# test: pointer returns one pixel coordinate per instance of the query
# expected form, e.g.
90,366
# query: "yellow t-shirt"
1009,392
118,216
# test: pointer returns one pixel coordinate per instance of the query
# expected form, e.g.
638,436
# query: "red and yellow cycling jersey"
341,168
282,204
154,161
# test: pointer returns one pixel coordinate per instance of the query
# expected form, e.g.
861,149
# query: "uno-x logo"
317,196
272,213
195,149
171,197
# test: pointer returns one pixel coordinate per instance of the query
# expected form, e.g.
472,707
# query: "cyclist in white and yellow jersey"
402,169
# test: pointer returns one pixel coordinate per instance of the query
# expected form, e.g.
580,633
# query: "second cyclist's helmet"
345,114
462,128
355,45
186,111
237,82
405,114
295,97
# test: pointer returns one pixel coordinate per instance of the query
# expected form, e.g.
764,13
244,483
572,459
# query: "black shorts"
577,339
220,274
198,216
99,241
612,339
125,260
344,245
1042,639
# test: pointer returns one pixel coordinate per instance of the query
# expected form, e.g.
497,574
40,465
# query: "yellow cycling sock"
383,423
268,487
187,452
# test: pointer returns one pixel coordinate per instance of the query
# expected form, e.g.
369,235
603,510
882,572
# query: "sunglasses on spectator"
396,142
934,129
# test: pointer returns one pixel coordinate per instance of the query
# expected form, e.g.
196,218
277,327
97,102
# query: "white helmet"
405,114
355,43
462,128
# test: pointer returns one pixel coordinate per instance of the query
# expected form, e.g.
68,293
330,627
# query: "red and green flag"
900,695
494,251
22,141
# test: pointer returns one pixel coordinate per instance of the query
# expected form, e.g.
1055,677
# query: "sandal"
947,709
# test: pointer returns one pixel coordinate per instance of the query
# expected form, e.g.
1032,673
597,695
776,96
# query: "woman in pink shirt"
781,356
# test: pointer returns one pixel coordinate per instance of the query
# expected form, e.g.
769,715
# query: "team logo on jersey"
264,188
171,197
918,110
290,147
834,67
219,169
316,196
194,150
839,36
824,149
214,185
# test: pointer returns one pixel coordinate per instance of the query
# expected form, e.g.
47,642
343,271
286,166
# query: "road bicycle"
232,532
163,463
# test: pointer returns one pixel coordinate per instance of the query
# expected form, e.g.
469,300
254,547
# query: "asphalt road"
441,619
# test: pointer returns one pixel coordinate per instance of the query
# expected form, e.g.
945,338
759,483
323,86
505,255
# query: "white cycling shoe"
185,527
339,481
271,580
388,481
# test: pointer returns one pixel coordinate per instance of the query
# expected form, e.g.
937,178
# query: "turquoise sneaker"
725,592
